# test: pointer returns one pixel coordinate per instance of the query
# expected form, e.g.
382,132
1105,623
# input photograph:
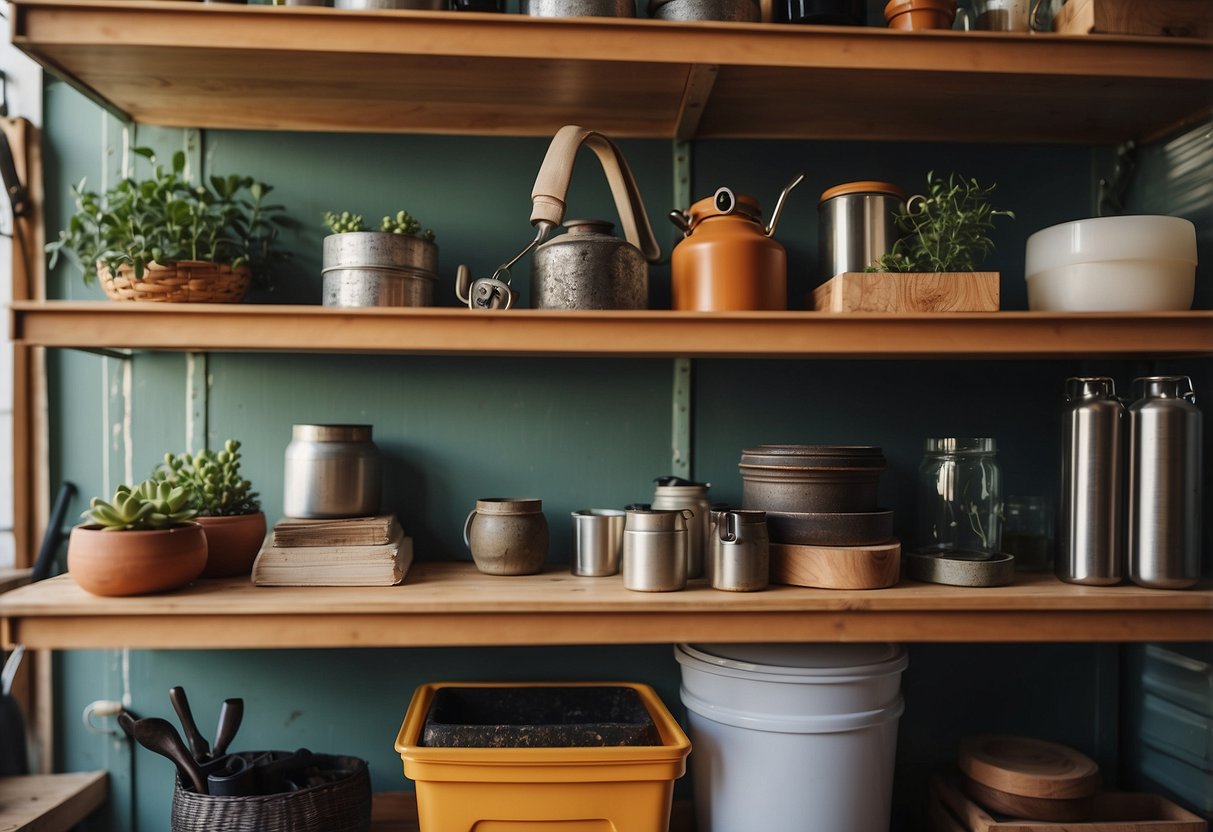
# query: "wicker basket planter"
185,281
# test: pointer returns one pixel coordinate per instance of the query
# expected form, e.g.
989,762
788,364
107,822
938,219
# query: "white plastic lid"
798,659
1143,237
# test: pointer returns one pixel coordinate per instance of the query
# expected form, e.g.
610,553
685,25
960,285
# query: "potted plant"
920,14
226,506
141,541
164,239
397,265
946,230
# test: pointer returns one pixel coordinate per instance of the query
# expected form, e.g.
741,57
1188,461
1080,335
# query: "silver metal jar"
331,471
378,268
739,551
737,11
856,226
655,550
589,268
579,8
1090,542
677,493
1164,483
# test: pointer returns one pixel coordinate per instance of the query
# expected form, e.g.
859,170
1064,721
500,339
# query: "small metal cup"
597,541
739,551
655,551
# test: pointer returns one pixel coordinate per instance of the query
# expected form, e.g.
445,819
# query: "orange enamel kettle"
727,259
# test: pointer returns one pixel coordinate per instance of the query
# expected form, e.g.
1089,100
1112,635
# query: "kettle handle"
552,186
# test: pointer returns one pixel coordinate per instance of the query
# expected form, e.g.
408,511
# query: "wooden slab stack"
908,292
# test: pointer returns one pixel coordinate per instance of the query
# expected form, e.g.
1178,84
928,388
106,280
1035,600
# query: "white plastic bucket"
792,738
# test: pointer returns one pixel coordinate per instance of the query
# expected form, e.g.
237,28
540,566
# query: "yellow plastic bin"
583,789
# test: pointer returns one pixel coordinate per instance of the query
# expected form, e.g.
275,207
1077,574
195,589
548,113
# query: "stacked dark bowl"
817,495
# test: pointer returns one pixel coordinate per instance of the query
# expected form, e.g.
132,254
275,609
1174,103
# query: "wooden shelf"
445,604
50,802
263,328
306,68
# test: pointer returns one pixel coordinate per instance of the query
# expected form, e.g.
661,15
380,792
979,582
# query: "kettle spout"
783,195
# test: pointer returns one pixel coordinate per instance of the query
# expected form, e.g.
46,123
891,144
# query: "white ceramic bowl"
1110,264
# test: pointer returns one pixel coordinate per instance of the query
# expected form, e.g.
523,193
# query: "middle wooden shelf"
449,603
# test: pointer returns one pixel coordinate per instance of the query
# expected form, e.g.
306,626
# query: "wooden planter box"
1177,18
908,292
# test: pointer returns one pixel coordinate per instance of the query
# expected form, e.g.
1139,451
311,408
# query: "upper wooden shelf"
443,604
183,64
262,328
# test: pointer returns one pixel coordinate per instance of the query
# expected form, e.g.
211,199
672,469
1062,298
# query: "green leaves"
946,230
149,505
212,480
402,223
164,218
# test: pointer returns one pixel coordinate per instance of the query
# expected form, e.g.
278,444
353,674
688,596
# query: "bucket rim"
840,723
690,656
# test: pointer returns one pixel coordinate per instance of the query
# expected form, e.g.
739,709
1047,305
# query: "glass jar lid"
961,445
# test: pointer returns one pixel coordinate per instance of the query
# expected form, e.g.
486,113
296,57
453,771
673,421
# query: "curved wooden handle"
552,186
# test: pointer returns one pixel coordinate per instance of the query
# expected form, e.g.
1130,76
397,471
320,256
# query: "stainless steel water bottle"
1164,483
1090,541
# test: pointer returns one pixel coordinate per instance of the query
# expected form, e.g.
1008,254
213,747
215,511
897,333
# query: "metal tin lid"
331,433
655,520
866,186
813,456
807,660
1164,387
586,227
960,445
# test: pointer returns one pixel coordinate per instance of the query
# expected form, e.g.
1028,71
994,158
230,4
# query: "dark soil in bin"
538,717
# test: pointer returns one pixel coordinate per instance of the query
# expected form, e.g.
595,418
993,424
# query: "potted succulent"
227,508
164,239
142,540
396,265
946,230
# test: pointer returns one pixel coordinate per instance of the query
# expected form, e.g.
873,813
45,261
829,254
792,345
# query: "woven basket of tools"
185,281
339,802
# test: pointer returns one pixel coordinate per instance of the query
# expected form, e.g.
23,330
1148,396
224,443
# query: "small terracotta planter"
135,563
920,14
232,543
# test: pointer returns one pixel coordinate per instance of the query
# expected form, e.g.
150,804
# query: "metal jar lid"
1090,387
331,433
960,445
864,187
813,456
655,520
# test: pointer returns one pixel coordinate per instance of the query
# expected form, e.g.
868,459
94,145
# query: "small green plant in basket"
946,230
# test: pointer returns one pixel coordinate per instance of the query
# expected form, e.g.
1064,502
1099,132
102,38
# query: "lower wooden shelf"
51,802
448,604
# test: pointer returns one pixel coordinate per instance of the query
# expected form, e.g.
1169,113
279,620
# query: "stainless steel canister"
597,541
1164,483
677,493
331,471
589,268
655,550
856,226
375,268
1090,542
739,553
579,8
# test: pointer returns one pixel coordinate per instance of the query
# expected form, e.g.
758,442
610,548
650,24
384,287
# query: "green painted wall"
577,433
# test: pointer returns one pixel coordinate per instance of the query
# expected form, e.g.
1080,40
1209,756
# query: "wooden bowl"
1054,809
1028,767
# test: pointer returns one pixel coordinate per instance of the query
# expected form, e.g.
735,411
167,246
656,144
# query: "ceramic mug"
507,535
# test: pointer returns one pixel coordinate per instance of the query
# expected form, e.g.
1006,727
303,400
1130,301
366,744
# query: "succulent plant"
212,479
402,223
149,505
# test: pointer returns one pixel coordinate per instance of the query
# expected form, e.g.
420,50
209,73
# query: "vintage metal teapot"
727,259
588,267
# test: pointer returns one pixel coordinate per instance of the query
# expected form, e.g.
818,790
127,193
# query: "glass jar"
960,498
1027,533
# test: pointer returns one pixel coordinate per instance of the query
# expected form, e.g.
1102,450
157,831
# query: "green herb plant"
402,223
212,479
149,505
946,230
164,218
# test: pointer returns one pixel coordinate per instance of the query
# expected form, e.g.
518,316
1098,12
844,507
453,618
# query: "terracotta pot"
135,563
232,543
920,14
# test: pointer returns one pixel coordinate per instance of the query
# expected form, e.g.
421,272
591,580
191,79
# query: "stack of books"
358,551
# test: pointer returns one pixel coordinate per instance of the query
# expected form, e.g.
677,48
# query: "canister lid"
866,186
813,456
1090,387
960,445
743,205
331,433
1163,387
799,659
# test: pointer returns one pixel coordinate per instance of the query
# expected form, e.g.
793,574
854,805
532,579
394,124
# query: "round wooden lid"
1028,767
863,187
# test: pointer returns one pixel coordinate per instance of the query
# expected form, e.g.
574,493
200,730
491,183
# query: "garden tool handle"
552,186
